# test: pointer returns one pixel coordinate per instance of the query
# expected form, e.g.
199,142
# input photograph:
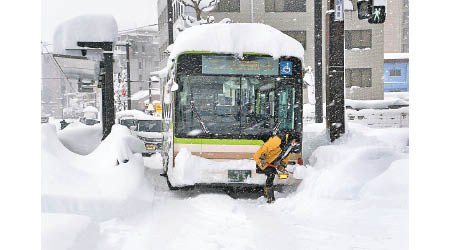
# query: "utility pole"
335,74
127,46
108,114
170,20
318,59
149,92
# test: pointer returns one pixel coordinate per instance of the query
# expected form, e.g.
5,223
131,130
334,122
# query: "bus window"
286,103
211,101
255,110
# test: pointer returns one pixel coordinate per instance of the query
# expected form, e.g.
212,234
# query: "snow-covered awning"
237,38
396,55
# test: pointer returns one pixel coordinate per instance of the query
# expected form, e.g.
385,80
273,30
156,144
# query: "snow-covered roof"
237,38
85,28
143,94
396,55
90,109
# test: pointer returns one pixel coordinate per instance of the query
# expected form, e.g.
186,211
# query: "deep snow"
354,196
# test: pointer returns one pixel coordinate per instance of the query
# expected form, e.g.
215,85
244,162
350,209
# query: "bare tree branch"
212,3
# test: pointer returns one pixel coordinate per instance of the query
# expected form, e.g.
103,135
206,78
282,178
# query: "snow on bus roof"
237,38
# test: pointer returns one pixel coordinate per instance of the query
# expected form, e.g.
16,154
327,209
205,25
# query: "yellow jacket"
270,151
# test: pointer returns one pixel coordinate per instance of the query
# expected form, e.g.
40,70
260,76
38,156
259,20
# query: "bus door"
286,101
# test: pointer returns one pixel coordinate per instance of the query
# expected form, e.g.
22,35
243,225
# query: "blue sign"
285,68
338,10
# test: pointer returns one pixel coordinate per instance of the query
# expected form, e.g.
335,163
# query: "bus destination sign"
230,65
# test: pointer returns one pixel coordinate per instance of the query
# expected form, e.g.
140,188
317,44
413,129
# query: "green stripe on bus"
218,141
209,52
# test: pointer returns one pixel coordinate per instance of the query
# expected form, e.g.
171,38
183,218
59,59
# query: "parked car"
44,119
150,131
127,121
88,121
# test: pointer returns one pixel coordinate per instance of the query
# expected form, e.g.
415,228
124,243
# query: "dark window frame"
271,5
226,6
359,73
303,42
354,39
395,72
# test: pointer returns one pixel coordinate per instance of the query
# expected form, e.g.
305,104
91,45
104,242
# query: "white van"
150,131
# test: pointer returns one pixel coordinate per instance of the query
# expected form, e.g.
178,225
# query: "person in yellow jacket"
275,152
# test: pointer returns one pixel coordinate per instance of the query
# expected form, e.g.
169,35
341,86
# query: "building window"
405,48
298,35
140,65
285,5
405,33
358,77
228,6
140,77
405,17
360,39
395,72
143,48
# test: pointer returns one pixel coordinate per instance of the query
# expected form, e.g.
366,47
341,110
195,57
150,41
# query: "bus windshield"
149,125
234,106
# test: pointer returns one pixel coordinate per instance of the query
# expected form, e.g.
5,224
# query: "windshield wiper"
204,128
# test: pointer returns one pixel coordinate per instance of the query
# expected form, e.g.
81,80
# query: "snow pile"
343,168
190,169
68,231
80,138
375,104
356,186
85,28
107,177
237,38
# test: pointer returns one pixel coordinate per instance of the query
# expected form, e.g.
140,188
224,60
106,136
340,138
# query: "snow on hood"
85,28
237,38
136,114
90,109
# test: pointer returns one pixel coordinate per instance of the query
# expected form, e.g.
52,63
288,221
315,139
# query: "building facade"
144,57
296,19
61,96
396,27
396,72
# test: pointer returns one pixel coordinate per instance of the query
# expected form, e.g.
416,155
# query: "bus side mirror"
133,128
173,85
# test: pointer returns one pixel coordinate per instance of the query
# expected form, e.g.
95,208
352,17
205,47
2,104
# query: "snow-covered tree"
200,5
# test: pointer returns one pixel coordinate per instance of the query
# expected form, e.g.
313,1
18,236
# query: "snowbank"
68,231
190,169
81,139
356,186
85,28
107,177
237,38
375,104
